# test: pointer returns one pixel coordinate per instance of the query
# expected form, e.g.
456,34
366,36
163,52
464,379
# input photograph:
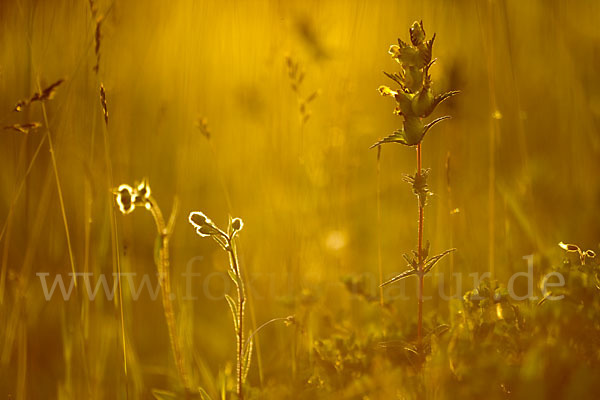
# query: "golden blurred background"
513,172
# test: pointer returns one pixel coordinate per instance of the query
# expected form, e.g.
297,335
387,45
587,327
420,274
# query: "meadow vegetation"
266,111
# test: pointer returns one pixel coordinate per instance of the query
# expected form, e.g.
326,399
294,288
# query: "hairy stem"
420,257
165,286
379,263
241,298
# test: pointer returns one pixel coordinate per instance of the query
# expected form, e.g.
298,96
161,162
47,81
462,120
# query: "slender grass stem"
241,297
247,345
451,223
494,128
114,236
58,187
167,295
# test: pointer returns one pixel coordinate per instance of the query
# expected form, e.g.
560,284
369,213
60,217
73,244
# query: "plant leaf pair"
412,134
573,248
428,265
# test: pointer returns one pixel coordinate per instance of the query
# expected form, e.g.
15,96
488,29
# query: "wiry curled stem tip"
205,227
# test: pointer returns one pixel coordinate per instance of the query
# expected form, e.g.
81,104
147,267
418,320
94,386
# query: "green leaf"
441,97
247,359
410,262
434,122
233,308
396,137
395,77
157,249
399,277
429,264
233,276
413,129
426,249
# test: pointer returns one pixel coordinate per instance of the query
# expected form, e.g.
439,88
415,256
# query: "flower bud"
143,189
198,219
237,224
417,33
125,199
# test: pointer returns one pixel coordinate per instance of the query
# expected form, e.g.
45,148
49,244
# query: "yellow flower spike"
415,101
395,52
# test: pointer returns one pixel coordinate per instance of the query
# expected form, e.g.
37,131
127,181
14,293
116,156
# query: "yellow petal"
394,51
386,91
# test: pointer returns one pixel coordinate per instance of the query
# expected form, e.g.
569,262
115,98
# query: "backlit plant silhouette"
414,102
573,248
206,228
127,199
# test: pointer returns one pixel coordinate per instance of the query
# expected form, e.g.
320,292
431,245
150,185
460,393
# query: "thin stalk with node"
128,198
414,102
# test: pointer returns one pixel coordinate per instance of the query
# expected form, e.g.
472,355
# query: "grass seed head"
98,42
103,102
47,94
24,128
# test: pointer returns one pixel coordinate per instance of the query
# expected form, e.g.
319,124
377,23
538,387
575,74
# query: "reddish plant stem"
420,257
